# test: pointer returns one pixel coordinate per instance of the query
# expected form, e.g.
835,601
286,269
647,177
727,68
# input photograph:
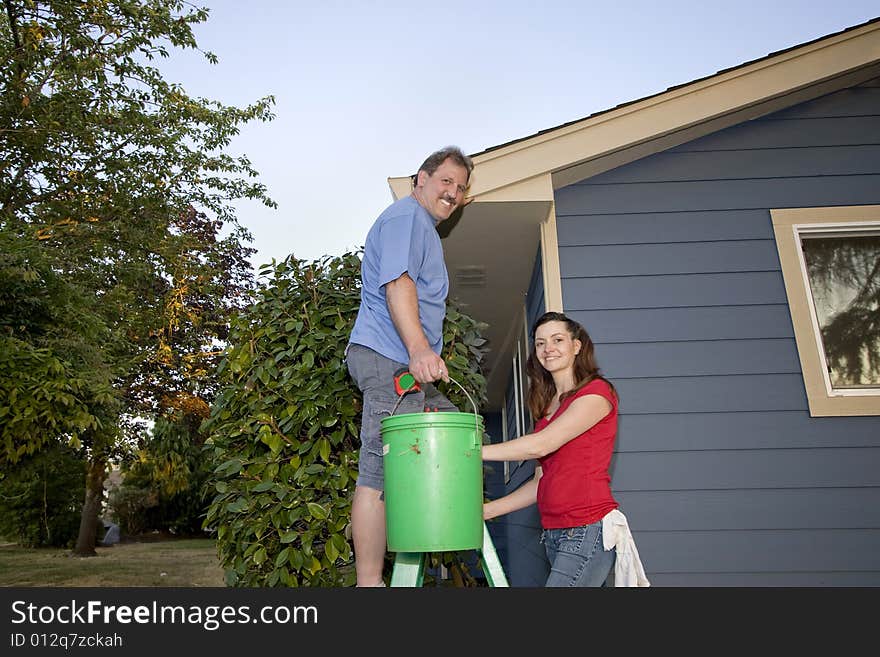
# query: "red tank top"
575,487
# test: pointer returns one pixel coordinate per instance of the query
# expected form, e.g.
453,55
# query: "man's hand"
427,367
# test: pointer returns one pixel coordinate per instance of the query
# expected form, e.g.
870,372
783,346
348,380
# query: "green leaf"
237,506
339,543
315,566
232,466
282,557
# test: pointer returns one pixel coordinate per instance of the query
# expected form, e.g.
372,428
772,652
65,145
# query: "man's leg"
374,375
368,533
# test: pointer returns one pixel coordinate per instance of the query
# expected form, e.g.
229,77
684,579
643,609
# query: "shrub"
129,504
284,428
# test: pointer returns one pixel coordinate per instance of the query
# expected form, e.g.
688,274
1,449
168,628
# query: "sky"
366,90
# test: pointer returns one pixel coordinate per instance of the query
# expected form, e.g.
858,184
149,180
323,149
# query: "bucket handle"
478,437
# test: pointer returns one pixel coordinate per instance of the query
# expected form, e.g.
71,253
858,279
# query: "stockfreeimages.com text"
210,617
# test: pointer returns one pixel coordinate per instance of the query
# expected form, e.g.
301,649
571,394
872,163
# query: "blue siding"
671,265
664,228
710,166
715,430
667,291
680,258
623,325
535,303
704,357
734,509
703,195
711,394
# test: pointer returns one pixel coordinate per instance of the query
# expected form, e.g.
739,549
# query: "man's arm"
403,306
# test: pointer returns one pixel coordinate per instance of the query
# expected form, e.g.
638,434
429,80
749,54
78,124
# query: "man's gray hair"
453,153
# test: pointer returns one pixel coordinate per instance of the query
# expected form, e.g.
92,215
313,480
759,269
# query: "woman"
575,407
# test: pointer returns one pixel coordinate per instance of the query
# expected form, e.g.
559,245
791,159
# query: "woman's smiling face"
554,346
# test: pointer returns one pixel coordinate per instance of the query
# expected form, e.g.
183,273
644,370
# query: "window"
830,261
842,272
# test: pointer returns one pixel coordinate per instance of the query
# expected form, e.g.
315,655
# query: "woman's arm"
581,415
524,496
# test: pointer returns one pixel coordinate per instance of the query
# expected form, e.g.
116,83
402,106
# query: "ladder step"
409,567
490,562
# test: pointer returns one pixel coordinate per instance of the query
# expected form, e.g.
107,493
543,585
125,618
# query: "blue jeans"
577,556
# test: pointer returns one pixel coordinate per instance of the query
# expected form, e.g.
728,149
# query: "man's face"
443,191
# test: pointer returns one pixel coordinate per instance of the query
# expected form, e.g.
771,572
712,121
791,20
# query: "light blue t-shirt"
403,239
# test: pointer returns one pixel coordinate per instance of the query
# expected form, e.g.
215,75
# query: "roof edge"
704,100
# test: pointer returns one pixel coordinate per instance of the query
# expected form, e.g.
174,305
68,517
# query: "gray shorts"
374,375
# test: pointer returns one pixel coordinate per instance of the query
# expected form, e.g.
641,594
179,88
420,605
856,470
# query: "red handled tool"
405,382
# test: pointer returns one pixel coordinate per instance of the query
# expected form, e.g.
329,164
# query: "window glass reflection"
844,278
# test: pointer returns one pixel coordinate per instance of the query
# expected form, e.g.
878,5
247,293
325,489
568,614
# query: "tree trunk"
88,524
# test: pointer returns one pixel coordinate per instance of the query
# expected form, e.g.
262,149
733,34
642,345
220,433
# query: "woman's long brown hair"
542,390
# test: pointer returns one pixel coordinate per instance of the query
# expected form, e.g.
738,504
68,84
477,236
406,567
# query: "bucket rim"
479,424
435,417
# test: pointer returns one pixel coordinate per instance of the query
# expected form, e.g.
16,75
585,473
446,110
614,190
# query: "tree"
39,500
284,428
51,382
164,484
117,186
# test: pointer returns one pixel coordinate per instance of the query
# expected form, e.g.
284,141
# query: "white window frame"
789,224
520,385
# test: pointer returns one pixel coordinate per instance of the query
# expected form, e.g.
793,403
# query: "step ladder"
409,567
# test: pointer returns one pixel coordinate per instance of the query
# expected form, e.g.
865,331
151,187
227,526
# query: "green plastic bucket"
433,481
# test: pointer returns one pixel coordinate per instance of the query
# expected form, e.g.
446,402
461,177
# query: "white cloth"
628,570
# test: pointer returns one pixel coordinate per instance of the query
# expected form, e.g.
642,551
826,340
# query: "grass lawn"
179,562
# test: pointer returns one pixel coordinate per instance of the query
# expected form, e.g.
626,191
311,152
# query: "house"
721,243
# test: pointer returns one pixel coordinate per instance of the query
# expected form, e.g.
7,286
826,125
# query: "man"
400,324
